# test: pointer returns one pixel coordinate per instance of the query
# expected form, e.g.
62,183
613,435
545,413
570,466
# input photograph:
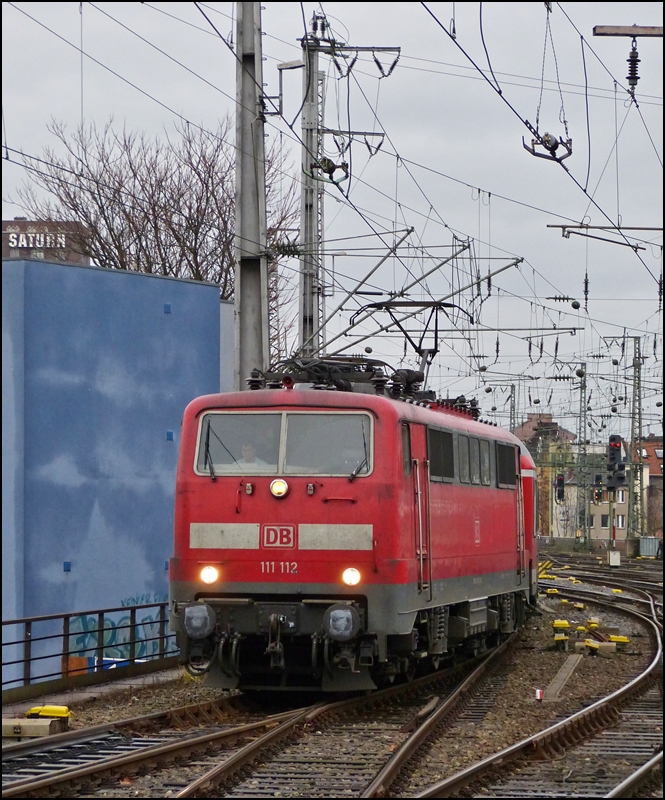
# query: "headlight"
198,620
279,487
209,574
341,622
351,576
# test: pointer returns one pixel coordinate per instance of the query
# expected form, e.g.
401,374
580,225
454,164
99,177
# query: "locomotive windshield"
291,443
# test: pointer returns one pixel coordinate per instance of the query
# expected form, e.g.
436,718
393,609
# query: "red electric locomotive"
340,535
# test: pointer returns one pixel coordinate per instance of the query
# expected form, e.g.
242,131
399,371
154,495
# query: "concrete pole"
251,277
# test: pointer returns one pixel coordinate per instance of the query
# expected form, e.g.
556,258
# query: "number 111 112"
279,567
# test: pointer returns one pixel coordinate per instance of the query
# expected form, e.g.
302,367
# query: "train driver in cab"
249,458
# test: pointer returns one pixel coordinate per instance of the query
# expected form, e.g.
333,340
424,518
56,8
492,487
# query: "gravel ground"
138,701
516,713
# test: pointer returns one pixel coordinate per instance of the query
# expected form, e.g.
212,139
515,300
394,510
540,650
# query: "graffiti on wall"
144,599
83,635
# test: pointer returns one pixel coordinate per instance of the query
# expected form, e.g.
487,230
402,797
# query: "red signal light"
560,487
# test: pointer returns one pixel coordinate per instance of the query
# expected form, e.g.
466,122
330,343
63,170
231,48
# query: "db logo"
278,536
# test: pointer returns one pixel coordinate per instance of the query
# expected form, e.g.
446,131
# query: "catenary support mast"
582,462
251,277
636,516
318,169
311,213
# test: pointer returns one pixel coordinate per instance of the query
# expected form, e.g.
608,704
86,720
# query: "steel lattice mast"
635,477
582,463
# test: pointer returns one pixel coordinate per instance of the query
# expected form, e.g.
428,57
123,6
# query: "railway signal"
616,477
560,482
598,490
614,450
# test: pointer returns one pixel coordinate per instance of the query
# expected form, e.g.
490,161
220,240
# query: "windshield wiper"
357,469
208,459
365,460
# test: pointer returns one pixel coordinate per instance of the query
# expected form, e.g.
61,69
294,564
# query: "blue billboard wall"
98,366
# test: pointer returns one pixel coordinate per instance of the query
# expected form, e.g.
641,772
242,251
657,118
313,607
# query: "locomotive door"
521,566
421,500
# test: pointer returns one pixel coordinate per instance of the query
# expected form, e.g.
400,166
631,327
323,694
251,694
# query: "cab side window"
463,453
506,462
440,454
406,449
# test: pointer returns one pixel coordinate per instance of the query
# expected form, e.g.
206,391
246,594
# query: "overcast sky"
452,164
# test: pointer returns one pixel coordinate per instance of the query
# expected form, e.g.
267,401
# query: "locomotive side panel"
473,514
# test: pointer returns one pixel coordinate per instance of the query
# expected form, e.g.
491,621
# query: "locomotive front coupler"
275,647
346,659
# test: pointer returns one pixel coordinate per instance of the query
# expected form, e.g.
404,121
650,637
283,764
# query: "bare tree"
163,206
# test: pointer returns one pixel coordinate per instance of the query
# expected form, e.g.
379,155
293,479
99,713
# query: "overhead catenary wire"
427,215
524,122
298,139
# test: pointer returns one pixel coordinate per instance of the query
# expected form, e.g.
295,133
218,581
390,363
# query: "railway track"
641,572
331,749
67,759
644,583
605,750
338,749
358,747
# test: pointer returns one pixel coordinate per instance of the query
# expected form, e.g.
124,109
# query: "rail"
56,652
568,732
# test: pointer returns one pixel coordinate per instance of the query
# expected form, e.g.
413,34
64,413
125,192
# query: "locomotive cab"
277,539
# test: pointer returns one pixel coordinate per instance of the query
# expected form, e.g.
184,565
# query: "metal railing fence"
58,651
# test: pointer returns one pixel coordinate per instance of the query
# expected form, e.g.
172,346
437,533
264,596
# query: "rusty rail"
569,731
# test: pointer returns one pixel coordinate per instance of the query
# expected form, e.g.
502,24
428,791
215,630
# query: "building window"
590,520
621,520
604,520
621,496
659,454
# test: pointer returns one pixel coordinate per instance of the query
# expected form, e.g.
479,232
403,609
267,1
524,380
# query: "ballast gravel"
137,701
515,714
